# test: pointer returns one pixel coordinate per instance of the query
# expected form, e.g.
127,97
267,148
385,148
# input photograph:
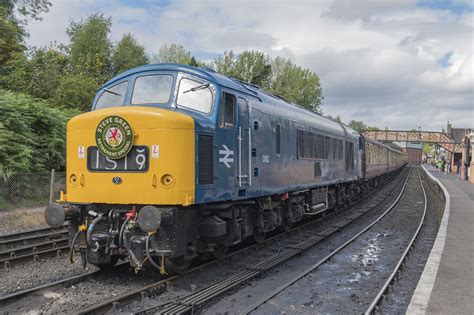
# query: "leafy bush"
32,134
75,91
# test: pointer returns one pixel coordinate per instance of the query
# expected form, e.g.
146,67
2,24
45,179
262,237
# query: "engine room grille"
205,160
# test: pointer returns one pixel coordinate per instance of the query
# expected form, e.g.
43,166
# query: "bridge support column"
464,159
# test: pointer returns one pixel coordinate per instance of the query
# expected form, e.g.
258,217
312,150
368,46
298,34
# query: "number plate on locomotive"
135,161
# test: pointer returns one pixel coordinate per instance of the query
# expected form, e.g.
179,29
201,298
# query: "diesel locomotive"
175,161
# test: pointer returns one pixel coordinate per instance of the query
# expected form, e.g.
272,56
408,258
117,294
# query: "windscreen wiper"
112,92
197,88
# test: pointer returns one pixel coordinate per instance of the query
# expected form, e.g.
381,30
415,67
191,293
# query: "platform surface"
447,283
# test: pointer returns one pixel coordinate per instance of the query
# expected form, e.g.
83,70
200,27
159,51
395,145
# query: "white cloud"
388,63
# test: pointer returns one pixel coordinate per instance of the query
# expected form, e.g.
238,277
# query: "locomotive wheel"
286,225
220,251
178,265
259,236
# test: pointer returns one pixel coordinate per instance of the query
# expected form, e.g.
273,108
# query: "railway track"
379,296
285,247
195,300
374,306
18,247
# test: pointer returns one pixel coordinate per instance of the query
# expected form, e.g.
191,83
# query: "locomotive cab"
131,166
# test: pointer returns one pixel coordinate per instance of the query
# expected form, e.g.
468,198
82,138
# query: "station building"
458,134
414,150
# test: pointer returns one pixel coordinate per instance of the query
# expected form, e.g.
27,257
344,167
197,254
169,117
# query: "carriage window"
339,150
319,147
349,156
194,95
300,144
333,149
308,148
277,139
227,111
327,142
113,96
151,89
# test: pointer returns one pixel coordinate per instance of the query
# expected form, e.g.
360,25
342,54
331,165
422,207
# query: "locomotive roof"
291,109
200,72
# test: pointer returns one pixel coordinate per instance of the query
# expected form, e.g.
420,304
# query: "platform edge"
421,296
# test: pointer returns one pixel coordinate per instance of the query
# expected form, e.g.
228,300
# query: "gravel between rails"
402,290
32,274
350,280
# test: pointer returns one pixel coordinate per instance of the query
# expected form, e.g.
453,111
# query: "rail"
327,257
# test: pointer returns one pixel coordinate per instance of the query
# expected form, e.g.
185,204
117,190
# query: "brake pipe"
152,261
93,246
125,244
82,228
122,229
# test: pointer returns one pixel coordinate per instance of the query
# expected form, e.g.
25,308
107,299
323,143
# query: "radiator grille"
205,160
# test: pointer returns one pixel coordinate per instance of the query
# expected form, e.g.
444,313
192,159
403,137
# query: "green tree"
11,36
254,67
173,54
38,72
76,91
90,49
13,18
371,128
128,54
28,8
193,62
357,125
225,63
298,85
249,66
32,134
336,119
428,148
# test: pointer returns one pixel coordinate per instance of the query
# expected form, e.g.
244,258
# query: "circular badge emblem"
114,137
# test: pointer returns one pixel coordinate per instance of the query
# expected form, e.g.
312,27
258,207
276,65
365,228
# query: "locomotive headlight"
149,218
167,180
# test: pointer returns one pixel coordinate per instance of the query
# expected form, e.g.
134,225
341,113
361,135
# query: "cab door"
226,145
243,146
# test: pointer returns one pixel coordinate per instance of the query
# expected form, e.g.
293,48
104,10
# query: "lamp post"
471,166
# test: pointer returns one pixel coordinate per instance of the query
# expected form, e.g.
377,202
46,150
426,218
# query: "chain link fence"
28,190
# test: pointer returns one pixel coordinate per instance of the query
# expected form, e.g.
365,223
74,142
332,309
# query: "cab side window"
277,139
227,111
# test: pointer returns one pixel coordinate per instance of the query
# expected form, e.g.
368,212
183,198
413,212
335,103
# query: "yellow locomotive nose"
153,163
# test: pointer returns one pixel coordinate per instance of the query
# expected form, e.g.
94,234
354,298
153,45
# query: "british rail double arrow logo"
227,156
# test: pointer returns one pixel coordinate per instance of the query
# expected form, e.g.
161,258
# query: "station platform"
447,283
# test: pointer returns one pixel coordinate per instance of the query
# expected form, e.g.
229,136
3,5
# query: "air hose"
82,228
93,246
122,229
152,261
124,243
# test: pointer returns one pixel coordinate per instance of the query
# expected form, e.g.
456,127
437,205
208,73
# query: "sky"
397,64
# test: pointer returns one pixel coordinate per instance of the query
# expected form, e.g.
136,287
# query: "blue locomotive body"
260,163
270,146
